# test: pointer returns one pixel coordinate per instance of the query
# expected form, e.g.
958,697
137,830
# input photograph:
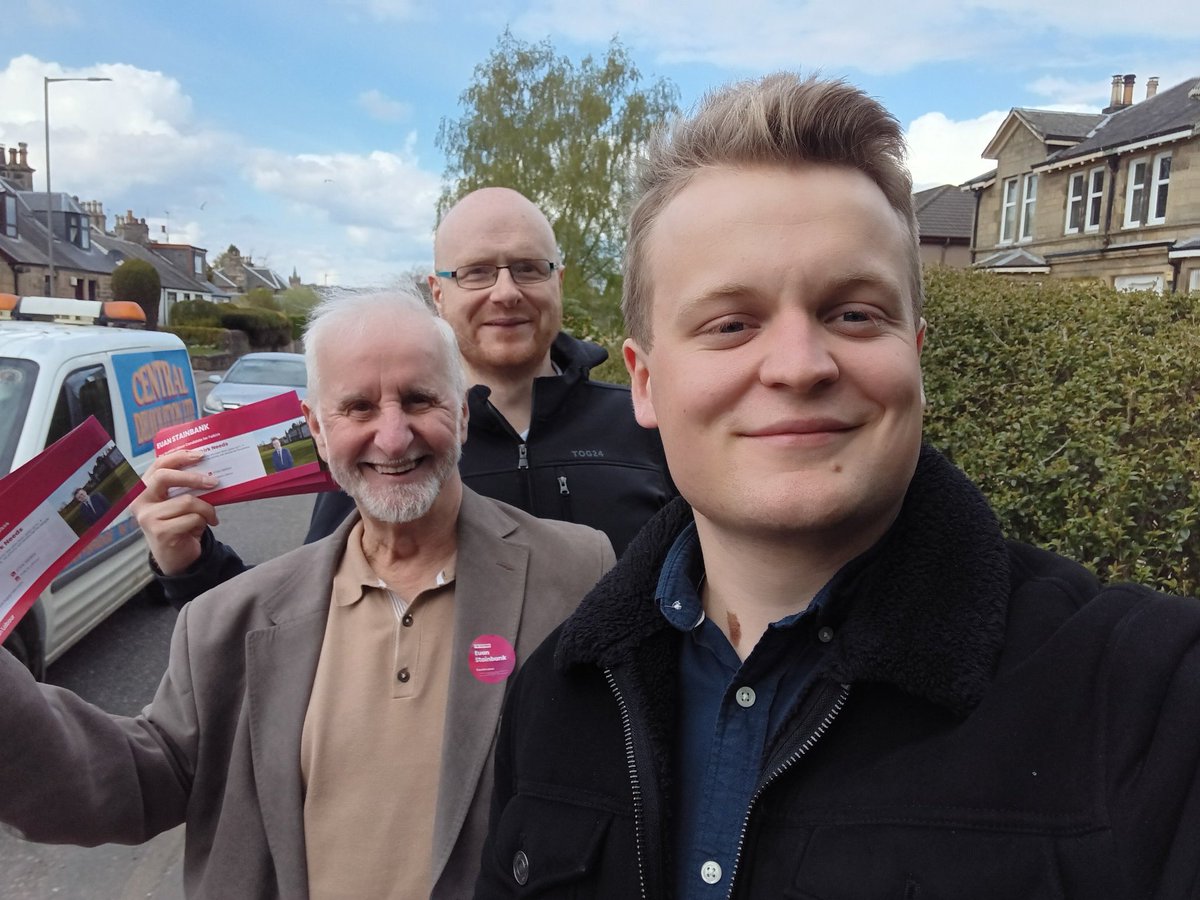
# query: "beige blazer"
219,746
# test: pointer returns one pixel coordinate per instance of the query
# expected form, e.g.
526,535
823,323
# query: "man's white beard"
400,503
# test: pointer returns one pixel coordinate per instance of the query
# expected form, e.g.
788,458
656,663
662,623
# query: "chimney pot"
1115,99
12,157
24,151
1127,95
1151,86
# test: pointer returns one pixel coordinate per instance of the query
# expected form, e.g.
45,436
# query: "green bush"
298,321
135,279
197,335
196,312
267,329
578,323
1073,407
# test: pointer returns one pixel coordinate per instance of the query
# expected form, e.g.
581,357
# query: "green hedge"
1073,407
194,335
196,312
267,329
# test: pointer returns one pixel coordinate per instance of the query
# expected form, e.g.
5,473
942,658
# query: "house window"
1075,201
1028,206
1095,195
1085,191
1160,180
8,215
198,263
77,231
1008,211
1146,193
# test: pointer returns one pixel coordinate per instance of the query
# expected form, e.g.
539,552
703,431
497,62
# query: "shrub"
266,328
135,279
197,335
196,312
1072,406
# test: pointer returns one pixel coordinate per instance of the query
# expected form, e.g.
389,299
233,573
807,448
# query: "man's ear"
466,420
636,363
921,334
314,427
435,290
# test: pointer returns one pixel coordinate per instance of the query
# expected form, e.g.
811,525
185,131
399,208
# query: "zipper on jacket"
634,782
562,486
796,755
522,456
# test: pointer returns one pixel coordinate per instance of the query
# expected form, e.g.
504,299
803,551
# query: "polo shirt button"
825,635
745,697
407,620
521,867
711,872
402,676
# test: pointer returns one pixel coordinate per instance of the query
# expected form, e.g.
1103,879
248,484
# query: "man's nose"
797,353
505,290
393,431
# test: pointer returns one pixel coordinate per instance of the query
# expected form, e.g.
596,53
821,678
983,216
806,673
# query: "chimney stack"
1127,96
1151,86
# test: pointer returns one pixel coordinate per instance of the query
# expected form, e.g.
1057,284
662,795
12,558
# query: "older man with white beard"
326,722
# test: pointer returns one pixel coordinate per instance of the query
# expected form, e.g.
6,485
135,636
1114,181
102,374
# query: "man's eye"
733,326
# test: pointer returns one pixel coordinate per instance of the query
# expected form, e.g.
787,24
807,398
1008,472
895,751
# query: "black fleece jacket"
585,460
989,722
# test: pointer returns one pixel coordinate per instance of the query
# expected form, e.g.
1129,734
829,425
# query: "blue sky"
304,131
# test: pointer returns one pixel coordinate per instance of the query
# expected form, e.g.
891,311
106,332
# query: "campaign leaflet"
259,450
54,506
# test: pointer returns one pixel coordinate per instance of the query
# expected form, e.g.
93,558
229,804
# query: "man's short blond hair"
780,120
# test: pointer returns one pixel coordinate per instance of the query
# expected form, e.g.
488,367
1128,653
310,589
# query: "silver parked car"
254,377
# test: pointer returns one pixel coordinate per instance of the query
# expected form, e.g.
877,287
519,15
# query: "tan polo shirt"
371,748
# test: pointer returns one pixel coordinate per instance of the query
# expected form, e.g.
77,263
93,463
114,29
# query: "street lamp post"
46,82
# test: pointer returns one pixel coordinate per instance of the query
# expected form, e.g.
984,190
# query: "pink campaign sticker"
492,658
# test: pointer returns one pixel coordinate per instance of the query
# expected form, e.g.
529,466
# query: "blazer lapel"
281,665
489,595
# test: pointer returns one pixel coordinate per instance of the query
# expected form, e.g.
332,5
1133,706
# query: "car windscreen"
268,371
16,387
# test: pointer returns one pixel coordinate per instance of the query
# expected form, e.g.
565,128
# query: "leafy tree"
260,298
567,136
137,280
298,301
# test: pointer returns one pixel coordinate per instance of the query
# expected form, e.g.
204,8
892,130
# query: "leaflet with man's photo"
262,449
54,506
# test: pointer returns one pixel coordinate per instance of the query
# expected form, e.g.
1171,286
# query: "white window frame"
1076,200
1135,191
1147,282
1008,210
1095,192
1158,183
1028,207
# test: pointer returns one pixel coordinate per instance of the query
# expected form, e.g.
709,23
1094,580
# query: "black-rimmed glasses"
523,271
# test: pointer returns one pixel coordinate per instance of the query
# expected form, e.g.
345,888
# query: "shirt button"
407,620
521,867
711,872
825,635
745,697
402,676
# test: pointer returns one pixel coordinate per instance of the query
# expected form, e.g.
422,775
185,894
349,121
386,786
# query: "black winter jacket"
989,722
586,460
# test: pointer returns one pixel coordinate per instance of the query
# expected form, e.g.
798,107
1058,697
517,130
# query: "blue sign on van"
158,390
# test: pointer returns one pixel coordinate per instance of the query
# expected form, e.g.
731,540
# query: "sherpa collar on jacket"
926,612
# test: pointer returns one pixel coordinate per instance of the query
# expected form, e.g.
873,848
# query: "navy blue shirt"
729,710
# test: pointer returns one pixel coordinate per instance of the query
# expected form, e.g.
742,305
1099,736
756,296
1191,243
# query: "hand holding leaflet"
259,450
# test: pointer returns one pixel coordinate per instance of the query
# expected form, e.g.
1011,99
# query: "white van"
61,361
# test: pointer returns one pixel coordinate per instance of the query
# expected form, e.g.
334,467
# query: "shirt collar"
355,578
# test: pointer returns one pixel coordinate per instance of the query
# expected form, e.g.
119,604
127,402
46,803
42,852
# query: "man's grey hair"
347,315
780,120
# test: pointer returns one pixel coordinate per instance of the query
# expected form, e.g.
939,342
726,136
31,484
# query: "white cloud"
943,151
358,216
866,35
382,107
384,10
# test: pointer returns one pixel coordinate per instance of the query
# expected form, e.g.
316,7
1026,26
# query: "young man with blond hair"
824,671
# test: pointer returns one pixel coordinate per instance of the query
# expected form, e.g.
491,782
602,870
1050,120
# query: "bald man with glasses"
541,436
